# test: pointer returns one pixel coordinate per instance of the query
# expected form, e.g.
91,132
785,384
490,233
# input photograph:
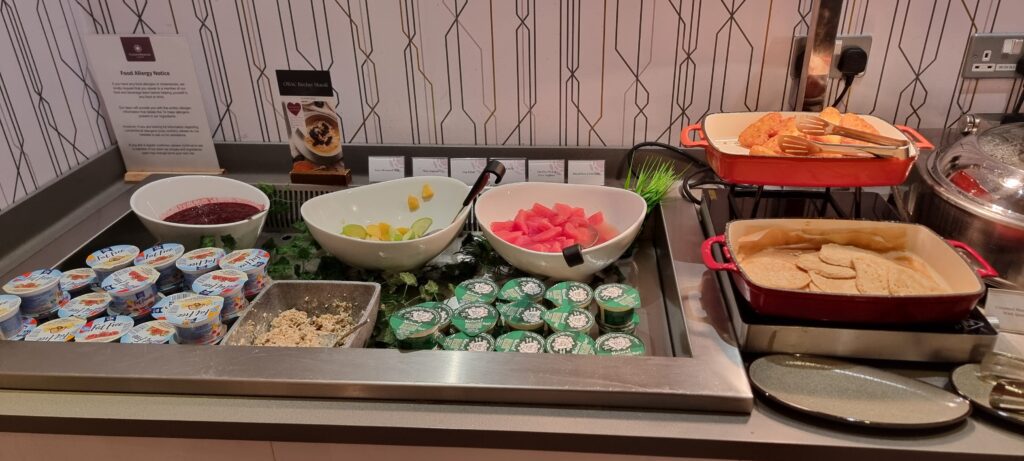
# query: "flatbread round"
775,273
842,255
829,285
872,275
903,281
812,263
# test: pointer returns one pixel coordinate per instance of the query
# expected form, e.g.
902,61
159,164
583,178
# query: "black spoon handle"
493,167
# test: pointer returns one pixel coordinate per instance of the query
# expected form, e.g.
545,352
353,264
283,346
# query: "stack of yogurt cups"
164,257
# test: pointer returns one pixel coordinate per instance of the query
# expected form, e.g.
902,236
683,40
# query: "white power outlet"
842,42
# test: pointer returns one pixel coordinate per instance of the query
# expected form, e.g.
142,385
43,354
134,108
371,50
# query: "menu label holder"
1008,307
467,169
586,172
547,171
385,168
515,170
430,166
151,95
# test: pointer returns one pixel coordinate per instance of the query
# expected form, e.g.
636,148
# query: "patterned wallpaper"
486,72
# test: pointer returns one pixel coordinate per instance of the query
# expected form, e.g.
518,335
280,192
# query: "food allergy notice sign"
149,87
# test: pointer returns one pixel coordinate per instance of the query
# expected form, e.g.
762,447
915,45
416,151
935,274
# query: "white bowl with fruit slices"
395,225
613,215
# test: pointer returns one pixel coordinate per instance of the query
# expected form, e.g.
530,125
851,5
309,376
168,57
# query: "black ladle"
493,167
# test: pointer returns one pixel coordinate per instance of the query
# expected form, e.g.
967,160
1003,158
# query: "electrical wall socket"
993,56
842,42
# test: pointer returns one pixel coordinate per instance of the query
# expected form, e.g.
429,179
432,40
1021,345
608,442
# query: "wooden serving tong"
817,126
797,145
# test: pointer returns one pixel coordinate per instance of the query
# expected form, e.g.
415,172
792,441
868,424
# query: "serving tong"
882,146
1007,372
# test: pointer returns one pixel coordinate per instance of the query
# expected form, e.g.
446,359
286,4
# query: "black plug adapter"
852,61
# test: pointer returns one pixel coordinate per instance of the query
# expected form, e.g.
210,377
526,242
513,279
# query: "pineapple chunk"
373,232
414,203
402,230
385,230
428,192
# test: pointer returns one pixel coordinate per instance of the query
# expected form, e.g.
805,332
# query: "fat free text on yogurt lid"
152,332
107,260
104,329
57,330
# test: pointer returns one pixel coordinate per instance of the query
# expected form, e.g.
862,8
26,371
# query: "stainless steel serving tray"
693,362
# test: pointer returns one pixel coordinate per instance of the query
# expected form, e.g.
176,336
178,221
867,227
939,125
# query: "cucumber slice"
419,227
354,230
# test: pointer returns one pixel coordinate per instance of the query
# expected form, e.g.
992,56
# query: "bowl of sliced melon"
394,225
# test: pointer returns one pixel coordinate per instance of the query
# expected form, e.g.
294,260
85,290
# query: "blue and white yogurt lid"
200,260
85,306
158,308
33,282
160,255
104,329
130,280
76,279
151,332
59,330
245,260
194,311
112,257
223,282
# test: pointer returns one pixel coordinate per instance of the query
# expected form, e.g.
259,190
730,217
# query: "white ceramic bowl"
156,200
623,209
386,201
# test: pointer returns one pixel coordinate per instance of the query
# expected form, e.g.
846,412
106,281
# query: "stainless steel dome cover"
984,173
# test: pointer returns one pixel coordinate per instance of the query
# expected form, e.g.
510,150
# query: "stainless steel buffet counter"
49,389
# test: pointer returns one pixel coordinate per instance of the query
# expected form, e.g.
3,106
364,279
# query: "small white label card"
515,169
547,170
1008,307
586,172
468,169
386,168
150,91
430,166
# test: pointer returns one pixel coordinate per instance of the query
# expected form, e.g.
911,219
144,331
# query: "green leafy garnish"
653,181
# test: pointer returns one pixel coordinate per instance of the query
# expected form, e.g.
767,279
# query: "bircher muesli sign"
314,126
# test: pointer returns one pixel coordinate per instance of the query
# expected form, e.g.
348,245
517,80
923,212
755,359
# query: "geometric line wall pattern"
484,72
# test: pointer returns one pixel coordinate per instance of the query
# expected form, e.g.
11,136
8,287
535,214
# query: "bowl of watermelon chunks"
563,231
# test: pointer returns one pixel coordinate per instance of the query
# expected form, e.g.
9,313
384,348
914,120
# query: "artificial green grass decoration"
653,181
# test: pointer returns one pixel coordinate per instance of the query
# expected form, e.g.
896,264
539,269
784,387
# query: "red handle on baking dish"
986,269
684,137
915,137
709,256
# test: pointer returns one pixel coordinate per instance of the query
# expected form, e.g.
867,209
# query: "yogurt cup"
620,344
108,260
196,320
198,262
163,257
617,302
463,342
526,342
444,311
88,306
39,291
567,318
162,303
253,262
133,290
27,325
629,328
569,342
522,288
57,330
475,318
478,290
225,283
151,332
79,281
10,316
574,294
524,315
104,329
415,327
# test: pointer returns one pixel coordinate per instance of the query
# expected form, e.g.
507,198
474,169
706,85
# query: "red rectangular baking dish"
717,134
964,281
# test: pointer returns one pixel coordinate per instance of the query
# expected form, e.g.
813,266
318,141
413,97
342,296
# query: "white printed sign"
515,170
547,171
430,166
149,87
468,169
1008,307
386,168
586,172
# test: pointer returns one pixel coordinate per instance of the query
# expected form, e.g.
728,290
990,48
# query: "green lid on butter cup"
414,322
482,342
475,318
569,342
444,311
522,288
620,344
476,291
573,294
617,297
567,318
526,342
528,317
